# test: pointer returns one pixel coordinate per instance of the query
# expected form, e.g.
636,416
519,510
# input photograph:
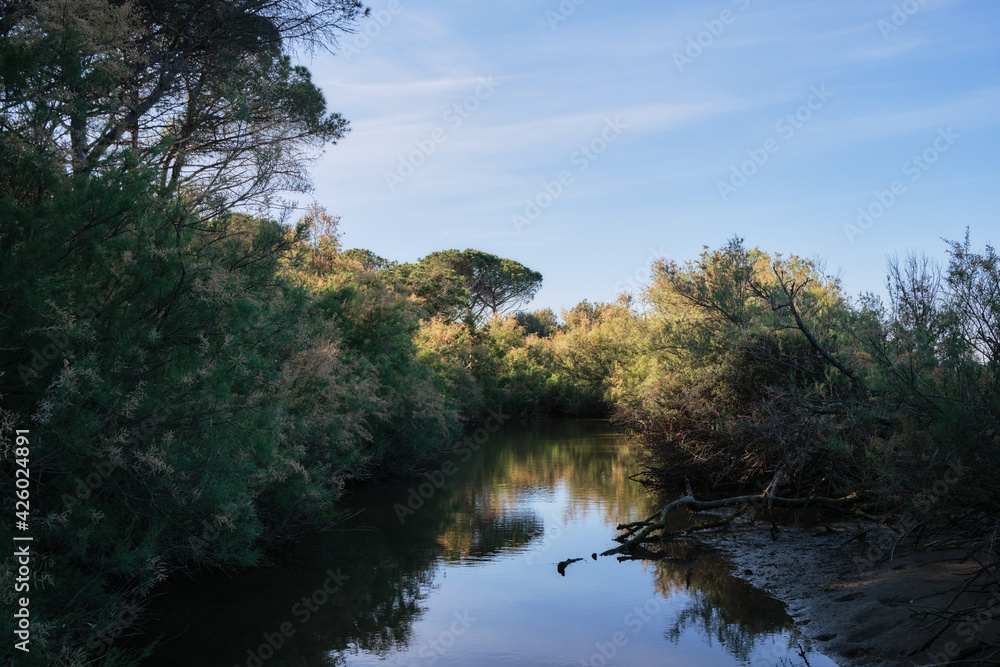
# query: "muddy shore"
858,593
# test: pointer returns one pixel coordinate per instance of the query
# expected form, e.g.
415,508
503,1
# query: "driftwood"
637,533
563,564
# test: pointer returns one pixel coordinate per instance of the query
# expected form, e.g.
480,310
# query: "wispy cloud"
684,128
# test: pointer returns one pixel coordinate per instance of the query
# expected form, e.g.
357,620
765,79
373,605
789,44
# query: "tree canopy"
497,286
205,92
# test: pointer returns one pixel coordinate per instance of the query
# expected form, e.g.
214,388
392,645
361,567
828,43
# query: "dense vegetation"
756,363
201,379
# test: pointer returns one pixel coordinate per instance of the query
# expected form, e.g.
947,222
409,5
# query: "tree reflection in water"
721,607
486,514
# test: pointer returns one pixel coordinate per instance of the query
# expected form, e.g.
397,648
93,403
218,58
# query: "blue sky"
586,138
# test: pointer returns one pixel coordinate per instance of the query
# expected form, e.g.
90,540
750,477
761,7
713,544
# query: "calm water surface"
469,578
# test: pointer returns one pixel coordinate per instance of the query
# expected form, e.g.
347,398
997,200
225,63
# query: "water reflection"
719,606
459,568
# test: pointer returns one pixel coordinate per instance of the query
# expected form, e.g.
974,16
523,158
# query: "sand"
855,594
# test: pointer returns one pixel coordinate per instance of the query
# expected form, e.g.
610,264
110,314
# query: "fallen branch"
639,532
563,564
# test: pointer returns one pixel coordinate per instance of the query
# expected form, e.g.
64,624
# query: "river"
460,569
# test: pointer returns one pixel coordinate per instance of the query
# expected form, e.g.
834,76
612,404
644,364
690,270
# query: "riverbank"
859,609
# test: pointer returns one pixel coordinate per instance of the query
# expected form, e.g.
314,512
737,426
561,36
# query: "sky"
586,138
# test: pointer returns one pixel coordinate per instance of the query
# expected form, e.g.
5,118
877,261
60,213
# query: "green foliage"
744,356
204,92
199,383
514,368
754,363
194,389
542,323
497,367
439,289
596,344
138,353
368,260
933,349
495,285
451,351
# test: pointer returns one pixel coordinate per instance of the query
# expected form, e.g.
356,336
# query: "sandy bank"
854,590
